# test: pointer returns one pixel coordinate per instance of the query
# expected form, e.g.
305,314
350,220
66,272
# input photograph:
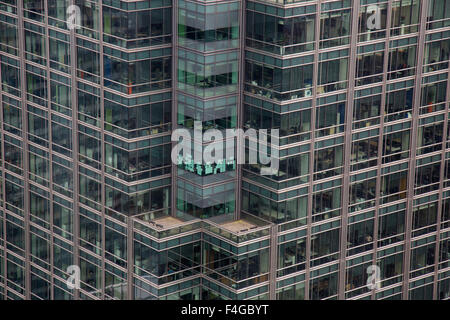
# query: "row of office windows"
275,32
326,287
269,28
282,84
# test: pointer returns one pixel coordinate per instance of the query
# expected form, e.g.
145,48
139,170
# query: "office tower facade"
91,96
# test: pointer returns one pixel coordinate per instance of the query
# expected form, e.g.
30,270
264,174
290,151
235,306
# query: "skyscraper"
92,92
